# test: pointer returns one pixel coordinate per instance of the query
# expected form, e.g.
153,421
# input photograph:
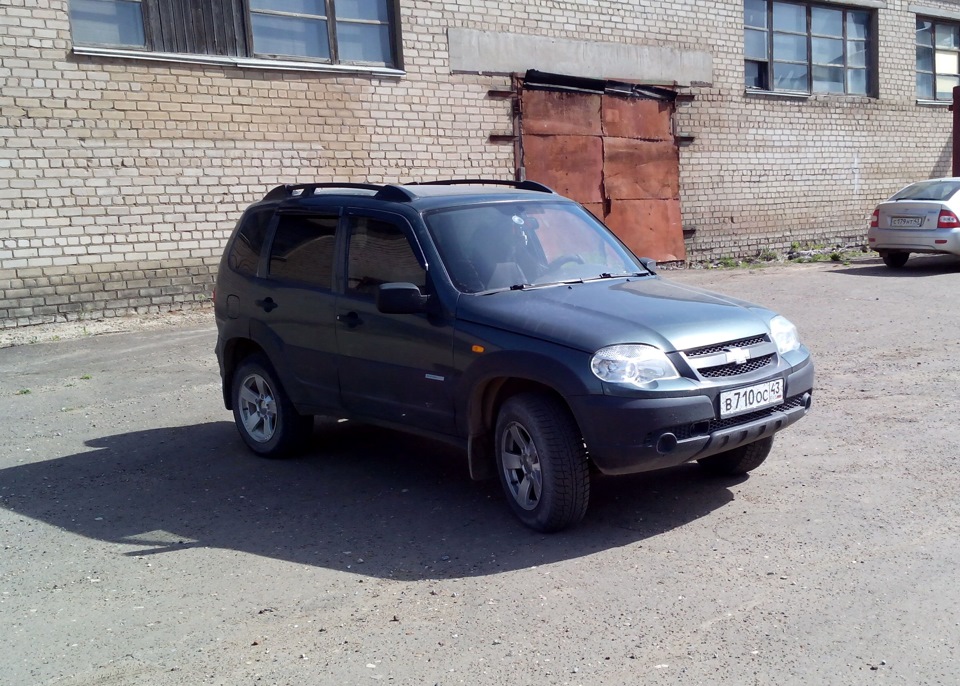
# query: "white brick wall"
120,179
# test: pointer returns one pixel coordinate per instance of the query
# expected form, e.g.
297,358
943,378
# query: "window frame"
933,95
765,67
233,43
131,46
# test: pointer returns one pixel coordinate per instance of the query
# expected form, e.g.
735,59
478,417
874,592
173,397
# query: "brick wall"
766,171
120,179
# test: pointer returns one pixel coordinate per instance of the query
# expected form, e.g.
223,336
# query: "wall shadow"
917,266
368,500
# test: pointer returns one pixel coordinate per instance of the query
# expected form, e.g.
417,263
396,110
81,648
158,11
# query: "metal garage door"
612,150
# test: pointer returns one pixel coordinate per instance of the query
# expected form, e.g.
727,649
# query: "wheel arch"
234,352
483,408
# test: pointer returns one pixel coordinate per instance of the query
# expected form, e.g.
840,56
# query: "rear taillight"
947,220
875,219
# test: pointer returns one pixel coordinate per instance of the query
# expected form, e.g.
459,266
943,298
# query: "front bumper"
628,435
915,240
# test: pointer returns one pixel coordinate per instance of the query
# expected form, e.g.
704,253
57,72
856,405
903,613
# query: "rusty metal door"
615,154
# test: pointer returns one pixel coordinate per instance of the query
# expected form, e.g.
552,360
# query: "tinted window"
245,250
379,252
303,249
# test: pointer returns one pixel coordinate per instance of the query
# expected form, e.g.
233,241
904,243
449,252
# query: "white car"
922,218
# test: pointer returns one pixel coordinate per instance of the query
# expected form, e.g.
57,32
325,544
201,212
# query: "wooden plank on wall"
200,27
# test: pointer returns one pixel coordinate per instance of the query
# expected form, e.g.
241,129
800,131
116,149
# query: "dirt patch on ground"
64,331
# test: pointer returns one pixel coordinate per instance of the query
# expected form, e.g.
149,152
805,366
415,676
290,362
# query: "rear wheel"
265,417
895,260
542,462
740,460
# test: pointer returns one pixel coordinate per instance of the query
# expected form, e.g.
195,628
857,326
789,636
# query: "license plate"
905,221
751,398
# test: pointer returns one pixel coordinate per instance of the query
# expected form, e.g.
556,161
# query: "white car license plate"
899,222
751,398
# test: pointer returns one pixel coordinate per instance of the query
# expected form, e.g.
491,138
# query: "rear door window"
304,248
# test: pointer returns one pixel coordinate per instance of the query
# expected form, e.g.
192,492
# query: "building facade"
134,132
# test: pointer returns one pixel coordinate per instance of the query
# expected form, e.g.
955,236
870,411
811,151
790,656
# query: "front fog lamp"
784,334
632,364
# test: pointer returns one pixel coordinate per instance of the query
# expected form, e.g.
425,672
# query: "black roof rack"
521,185
394,192
305,190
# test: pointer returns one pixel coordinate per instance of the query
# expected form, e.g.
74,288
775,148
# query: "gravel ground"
142,544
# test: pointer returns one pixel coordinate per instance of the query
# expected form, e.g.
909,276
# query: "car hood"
591,315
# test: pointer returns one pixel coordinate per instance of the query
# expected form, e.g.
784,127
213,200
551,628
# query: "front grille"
721,347
734,369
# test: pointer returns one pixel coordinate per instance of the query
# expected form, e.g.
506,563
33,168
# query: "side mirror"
649,264
400,298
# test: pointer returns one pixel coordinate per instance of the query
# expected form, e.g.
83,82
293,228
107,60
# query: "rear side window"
245,250
303,249
379,253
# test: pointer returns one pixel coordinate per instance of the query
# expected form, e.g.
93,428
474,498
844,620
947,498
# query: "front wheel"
740,460
895,260
265,417
542,462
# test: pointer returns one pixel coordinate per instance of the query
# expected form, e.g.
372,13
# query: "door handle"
351,319
268,304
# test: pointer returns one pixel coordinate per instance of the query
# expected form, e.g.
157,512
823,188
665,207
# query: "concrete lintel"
937,12
506,53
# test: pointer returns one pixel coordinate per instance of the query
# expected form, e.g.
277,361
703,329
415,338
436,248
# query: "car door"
297,300
393,367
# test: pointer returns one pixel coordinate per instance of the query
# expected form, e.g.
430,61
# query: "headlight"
784,334
632,364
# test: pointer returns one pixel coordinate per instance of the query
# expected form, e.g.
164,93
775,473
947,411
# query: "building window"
807,48
352,32
938,59
108,22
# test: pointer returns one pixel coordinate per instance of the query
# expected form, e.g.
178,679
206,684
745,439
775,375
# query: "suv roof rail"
526,185
303,190
395,193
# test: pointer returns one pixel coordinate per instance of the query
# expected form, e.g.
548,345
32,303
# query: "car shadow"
372,501
917,266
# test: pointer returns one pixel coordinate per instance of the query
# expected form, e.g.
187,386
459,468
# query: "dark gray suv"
501,317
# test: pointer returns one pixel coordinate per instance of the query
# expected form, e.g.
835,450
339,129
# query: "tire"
740,460
542,462
265,417
895,260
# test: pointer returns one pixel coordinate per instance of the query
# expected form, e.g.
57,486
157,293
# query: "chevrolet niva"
504,318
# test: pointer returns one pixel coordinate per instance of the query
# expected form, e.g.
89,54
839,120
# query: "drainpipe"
955,108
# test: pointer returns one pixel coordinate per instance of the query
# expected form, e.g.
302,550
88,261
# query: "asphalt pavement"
141,543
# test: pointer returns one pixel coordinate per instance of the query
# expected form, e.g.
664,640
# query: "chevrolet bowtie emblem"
737,355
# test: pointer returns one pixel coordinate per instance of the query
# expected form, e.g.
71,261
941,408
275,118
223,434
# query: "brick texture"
121,179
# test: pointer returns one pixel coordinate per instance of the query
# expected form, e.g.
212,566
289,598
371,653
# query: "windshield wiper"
608,275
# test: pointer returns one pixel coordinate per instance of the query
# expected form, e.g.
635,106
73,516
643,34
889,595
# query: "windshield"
929,190
510,244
